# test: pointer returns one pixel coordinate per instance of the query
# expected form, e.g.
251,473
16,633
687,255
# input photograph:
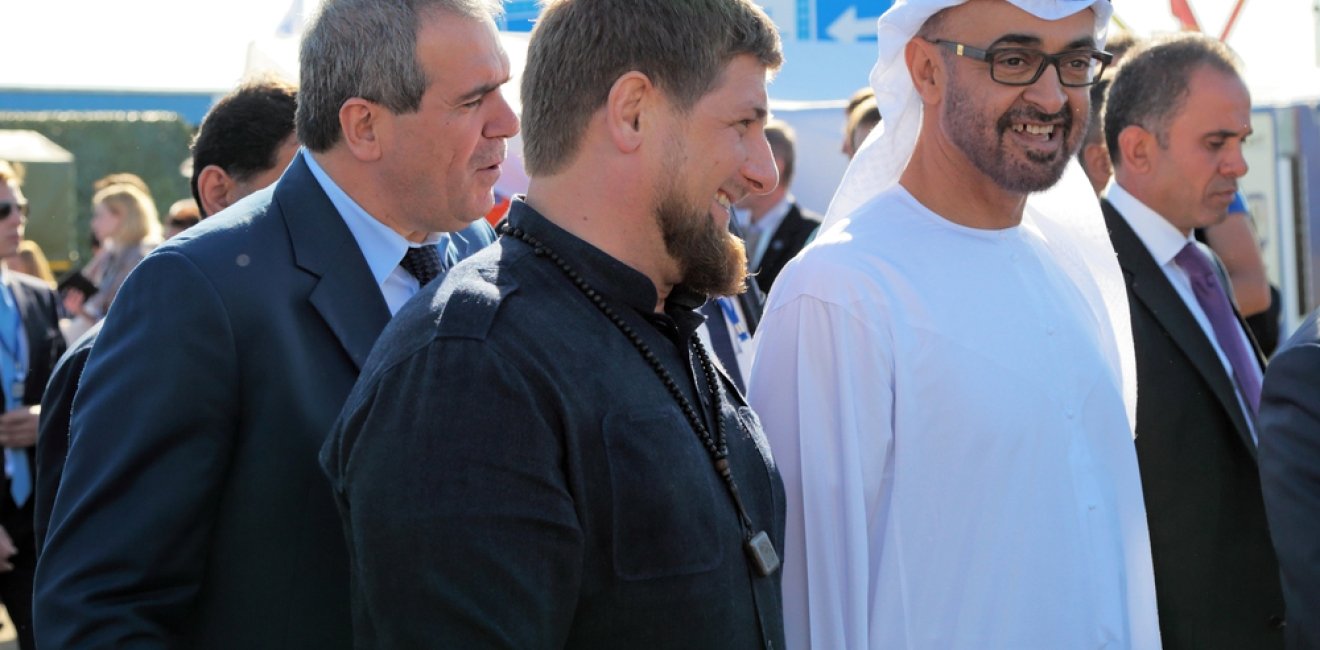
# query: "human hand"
18,427
73,301
7,550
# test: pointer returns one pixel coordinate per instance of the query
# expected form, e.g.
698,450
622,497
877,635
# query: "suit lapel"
780,239
346,294
1148,284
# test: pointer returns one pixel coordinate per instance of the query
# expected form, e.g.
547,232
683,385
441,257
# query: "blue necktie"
11,373
717,327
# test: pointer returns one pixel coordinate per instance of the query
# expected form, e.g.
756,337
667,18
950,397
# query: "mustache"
1062,118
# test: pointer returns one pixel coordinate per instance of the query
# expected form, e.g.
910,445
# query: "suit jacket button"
1277,622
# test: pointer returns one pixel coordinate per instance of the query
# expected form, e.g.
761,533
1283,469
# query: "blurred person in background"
121,178
853,112
863,119
32,261
124,220
772,224
1094,154
30,342
183,215
1234,241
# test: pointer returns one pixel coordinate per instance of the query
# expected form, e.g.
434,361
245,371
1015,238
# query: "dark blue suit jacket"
1289,430
192,513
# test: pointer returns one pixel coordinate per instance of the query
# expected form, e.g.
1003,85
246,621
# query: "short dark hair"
367,49
783,144
243,132
863,94
579,48
1151,85
1095,127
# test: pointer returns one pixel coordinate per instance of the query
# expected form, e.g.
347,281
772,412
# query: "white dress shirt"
763,230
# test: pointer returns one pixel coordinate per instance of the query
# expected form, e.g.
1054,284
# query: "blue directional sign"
845,21
519,15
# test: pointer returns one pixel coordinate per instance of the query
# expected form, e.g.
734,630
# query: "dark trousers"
16,585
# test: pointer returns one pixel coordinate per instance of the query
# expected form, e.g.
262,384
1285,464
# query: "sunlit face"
105,222
11,229
718,155
442,161
1196,167
1019,137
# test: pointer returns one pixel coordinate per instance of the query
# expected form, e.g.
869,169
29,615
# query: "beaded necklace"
757,544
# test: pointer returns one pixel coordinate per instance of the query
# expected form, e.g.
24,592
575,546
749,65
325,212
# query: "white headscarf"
1067,214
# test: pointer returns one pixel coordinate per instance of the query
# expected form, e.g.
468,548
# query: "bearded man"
941,374
613,490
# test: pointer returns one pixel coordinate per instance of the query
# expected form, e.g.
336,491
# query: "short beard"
984,147
713,261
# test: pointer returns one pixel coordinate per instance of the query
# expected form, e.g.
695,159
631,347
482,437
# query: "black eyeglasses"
10,207
1015,66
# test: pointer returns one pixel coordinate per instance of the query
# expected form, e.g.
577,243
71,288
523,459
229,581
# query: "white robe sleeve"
823,387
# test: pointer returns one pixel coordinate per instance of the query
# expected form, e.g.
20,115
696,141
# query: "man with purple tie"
1177,115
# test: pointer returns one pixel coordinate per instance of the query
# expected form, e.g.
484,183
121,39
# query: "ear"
628,101
926,68
1135,144
362,123
215,187
1097,160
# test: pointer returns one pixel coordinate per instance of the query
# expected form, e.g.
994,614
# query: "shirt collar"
775,215
381,245
614,279
1160,237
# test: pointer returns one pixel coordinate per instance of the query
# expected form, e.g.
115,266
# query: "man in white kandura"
945,375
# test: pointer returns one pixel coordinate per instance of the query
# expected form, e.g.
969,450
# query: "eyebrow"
481,91
1029,40
1228,133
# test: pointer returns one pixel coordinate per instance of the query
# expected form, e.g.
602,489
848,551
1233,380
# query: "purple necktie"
1214,302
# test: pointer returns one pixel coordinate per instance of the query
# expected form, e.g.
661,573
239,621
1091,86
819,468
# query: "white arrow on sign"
848,27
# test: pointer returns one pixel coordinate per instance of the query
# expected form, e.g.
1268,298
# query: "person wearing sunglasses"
30,342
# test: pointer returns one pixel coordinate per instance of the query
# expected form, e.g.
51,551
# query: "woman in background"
125,221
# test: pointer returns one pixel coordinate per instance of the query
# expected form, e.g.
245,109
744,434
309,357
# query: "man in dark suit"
1289,427
30,342
192,513
1176,116
774,226
243,145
